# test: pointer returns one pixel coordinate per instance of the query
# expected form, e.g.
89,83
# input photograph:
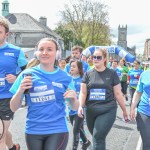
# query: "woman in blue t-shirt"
142,99
49,86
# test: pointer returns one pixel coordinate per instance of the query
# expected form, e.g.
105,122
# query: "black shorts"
5,111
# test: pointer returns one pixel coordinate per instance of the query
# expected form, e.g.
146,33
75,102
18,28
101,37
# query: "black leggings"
143,125
57,141
99,123
124,87
132,91
78,130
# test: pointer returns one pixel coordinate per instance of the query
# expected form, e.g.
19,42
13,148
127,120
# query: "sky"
133,13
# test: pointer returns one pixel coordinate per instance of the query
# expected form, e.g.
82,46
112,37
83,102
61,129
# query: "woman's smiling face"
46,52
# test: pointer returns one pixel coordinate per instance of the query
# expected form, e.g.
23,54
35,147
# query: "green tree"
66,35
88,22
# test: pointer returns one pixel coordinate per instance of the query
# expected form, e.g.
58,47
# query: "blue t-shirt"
144,87
77,83
109,65
46,105
134,77
118,71
11,57
85,65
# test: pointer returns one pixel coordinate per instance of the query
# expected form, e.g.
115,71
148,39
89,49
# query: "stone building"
122,41
122,36
147,50
27,31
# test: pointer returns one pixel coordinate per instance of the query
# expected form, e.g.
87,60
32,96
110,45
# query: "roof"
5,1
26,23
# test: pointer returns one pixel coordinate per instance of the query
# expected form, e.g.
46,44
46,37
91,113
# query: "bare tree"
88,20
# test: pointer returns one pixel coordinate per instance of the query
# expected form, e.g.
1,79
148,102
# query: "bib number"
97,94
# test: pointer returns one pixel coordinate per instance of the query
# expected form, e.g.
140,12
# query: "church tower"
5,8
122,37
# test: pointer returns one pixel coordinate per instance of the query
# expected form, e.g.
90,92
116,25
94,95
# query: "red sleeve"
128,78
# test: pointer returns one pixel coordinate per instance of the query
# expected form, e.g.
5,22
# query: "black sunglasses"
97,57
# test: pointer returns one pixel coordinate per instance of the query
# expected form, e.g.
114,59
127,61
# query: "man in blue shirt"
11,57
76,53
115,67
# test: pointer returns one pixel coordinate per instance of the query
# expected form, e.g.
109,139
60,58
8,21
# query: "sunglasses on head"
97,57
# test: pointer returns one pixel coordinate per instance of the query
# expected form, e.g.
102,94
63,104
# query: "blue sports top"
11,57
144,87
85,65
118,71
77,83
134,77
46,105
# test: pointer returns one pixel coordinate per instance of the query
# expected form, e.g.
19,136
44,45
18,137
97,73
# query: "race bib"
42,94
2,80
135,81
97,94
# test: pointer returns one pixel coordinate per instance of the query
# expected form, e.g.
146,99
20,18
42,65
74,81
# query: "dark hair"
136,61
115,61
68,59
79,65
77,47
61,59
124,61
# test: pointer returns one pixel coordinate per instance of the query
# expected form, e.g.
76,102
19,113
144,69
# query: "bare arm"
120,99
82,98
17,98
135,101
82,95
